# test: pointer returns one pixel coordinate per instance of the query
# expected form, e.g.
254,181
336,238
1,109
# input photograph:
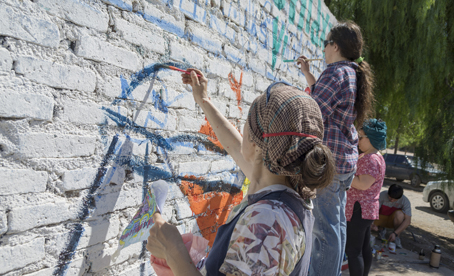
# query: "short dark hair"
395,191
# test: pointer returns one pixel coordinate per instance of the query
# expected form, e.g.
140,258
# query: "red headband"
287,133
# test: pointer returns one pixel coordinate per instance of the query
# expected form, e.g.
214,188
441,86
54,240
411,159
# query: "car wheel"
399,179
415,181
439,202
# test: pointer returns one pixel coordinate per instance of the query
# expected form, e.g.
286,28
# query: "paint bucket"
379,255
392,247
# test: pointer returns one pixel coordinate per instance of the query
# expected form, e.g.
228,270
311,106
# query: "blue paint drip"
76,232
65,257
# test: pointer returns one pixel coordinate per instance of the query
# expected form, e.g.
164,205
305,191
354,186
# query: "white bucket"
392,247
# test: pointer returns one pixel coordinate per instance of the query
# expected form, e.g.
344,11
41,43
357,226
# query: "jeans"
358,248
330,227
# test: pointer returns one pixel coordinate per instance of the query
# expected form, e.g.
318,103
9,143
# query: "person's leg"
326,243
398,219
355,239
328,238
345,183
367,250
358,249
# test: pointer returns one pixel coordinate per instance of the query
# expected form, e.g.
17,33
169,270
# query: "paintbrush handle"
294,60
181,70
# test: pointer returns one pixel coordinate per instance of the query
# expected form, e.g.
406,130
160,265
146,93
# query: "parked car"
439,195
408,167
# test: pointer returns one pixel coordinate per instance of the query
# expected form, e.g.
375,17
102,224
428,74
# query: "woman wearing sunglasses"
344,92
281,153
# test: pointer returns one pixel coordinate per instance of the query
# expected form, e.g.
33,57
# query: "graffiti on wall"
211,196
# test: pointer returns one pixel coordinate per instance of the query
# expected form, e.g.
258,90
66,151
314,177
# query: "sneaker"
398,243
382,234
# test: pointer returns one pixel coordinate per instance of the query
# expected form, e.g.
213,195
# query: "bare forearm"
404,225
226,133
182,265
309,78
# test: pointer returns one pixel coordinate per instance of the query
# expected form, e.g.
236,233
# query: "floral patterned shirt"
268,239
374,165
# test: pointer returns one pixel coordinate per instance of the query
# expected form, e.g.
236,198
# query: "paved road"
423,216
428,228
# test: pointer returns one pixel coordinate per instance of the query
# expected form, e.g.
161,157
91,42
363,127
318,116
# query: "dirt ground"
427,226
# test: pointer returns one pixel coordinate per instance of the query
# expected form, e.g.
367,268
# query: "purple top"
335,93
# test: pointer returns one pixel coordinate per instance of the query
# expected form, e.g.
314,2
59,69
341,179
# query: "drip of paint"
236,87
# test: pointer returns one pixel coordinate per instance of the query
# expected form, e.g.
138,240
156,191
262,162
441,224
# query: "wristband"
395,233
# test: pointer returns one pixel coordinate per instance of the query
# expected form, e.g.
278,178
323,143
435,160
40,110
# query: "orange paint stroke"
208,130
211,208
236,87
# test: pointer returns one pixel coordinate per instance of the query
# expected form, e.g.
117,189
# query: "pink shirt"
374,165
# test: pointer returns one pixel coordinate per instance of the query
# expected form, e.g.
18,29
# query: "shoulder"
270,212
344,70
405,200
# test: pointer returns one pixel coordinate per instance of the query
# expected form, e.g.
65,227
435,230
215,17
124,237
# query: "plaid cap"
288,109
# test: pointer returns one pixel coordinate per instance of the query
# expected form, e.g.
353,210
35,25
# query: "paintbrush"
295,60
177,69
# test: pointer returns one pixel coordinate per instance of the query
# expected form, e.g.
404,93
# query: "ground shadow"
429,210
415,239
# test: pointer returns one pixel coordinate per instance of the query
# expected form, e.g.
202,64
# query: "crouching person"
395,213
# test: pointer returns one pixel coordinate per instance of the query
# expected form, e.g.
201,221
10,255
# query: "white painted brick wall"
194,168
22,181
56,75
3,223
118,200
97,50
22,219
78,179
29,28
223,165
140,36
6,62
186,53
21,105
13,257
83,113
65,67
38,145
77,12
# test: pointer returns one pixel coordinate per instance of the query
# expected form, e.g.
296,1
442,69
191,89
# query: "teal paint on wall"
308,17
279,4
277,38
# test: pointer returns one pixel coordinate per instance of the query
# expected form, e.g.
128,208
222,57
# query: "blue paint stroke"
165,25
65,257
123,121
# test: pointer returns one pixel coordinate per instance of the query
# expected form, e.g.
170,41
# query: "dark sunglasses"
326,42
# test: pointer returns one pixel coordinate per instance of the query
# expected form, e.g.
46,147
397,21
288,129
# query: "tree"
410,45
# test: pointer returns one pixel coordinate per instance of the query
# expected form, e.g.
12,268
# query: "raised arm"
305,70
226,133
